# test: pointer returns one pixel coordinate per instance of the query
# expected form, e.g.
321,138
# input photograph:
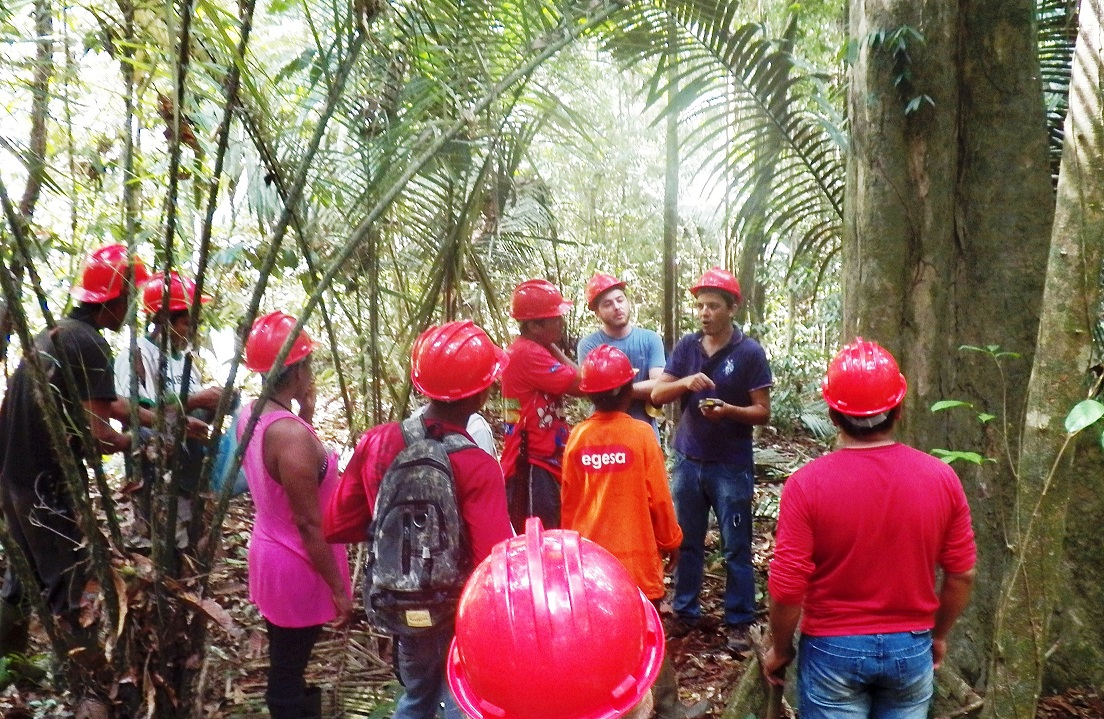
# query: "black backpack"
418,551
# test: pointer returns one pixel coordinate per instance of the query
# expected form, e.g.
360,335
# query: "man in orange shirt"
614,492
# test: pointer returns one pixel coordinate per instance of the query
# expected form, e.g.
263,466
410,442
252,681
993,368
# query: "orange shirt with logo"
614,492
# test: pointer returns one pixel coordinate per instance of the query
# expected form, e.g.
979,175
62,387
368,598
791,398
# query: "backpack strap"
414,429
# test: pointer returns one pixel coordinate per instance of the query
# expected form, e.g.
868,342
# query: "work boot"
311,705
665,693
738,642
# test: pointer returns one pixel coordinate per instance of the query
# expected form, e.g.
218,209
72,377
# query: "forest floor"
354,665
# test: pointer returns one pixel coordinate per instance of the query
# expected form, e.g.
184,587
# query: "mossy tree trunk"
947,225
1070,310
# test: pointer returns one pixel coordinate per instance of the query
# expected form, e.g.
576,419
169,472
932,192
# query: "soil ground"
354,665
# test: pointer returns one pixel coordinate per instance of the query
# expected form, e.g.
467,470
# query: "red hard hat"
605,368
717,279
598,285
267,337
181,293
104,274
551,626
863,380
537,300
454,361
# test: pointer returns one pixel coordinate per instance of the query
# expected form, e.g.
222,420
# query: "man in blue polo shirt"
722,378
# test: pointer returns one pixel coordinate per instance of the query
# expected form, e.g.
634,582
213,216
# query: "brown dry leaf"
124,606
92,709
214,611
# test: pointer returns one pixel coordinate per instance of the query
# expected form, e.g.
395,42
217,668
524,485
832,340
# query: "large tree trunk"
949,210
1070,312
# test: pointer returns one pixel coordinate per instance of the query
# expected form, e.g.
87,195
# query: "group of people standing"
861,531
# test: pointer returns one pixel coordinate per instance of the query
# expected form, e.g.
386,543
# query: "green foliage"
896,43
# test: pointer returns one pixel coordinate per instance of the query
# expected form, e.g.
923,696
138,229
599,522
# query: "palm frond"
1057,34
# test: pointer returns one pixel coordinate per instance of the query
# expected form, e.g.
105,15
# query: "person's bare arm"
207,399
100,413
562,358
294,457
954,596
783,625
642,390
668,388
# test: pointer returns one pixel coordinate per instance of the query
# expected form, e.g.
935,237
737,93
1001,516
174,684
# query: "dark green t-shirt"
25,449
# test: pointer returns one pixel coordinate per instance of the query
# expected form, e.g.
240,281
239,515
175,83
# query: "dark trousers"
289,651
533,491
41,521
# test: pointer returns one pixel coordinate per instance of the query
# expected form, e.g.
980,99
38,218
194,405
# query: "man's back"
24,439
861,531
480,489
615,493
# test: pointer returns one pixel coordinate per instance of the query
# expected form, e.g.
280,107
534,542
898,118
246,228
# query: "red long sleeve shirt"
480,489
860,533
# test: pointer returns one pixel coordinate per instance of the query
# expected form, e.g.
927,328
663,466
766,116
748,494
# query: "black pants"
289,651
41,521
533,492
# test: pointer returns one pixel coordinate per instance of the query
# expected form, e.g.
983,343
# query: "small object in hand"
709,402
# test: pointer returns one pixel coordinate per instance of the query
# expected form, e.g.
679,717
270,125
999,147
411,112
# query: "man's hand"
671,559
774,665
939,650
715,412
197,429
698,382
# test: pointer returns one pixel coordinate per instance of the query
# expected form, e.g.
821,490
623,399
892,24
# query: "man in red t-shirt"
860,534
454,366
536,379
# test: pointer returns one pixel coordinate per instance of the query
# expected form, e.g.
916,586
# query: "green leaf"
984,417
1083,415
950,456
948,404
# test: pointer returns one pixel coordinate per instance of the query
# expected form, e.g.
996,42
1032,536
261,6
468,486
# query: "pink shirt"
283,582
860,533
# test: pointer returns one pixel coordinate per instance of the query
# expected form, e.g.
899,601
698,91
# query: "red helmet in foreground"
105,271
717,279
598,285
181,293
863,380
267,337
551,626
537,300
454,361
605,368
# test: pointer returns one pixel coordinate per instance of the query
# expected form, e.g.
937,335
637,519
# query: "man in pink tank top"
860,534
454,365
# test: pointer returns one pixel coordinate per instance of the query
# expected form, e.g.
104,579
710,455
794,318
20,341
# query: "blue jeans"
420,662
696,488
880,676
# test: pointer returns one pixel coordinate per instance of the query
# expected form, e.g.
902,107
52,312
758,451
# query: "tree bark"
1070,311
948,213
670,205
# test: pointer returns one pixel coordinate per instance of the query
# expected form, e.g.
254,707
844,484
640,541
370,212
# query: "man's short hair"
728,297
863,427
612,400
